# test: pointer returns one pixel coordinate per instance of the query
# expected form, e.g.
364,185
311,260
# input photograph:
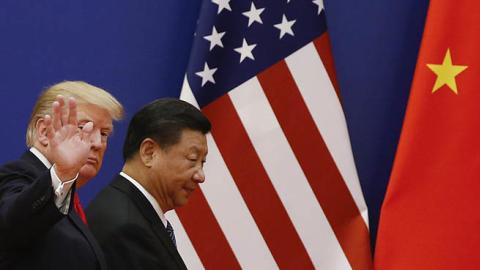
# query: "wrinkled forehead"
100,117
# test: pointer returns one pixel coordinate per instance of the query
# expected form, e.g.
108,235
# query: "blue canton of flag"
235,40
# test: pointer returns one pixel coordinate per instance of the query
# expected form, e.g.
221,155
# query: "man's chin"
86,173
179,202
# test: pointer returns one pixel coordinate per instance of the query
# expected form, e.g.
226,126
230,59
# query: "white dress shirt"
149,197
62,189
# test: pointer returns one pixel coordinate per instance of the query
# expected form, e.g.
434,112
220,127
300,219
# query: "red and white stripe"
282,190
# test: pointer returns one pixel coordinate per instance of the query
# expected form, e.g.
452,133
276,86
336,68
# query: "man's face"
178,170
102,128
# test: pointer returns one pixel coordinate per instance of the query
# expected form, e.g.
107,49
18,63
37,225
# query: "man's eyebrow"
84,120
196,148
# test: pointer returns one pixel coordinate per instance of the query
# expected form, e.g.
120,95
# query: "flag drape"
430,217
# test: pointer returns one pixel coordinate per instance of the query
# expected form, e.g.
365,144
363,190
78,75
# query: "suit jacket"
129,230
34,234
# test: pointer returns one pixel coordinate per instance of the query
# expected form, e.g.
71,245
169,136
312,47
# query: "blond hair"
83,93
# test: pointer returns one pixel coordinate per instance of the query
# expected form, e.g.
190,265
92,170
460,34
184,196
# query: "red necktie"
79,209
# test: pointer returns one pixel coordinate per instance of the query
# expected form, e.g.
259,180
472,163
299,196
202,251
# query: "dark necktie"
169,229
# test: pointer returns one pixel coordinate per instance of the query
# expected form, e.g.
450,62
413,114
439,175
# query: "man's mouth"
92,160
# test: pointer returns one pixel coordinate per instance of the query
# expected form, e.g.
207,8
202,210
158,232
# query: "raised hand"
69,144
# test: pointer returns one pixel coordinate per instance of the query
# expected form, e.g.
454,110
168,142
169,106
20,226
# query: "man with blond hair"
42,225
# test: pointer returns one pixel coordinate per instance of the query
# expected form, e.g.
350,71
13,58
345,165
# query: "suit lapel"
149,213
75,219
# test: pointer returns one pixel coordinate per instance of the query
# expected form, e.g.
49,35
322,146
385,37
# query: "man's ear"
148,150
41,132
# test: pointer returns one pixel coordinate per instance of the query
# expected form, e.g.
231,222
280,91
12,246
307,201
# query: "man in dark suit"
164,152
67,136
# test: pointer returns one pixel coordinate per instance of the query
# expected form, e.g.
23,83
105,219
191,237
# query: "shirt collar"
41,157
149,197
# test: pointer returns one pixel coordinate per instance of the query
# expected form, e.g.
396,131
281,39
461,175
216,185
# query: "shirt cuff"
61,189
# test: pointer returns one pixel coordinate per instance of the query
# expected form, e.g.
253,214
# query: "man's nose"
199,176
96,139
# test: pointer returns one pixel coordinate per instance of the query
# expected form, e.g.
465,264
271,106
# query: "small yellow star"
446,73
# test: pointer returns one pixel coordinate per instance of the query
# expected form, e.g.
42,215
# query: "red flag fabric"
430,217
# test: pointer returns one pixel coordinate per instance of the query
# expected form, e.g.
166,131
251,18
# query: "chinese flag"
430,217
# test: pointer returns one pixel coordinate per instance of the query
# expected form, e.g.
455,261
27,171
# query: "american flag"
281,189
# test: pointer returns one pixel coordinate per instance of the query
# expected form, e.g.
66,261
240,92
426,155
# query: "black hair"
163,120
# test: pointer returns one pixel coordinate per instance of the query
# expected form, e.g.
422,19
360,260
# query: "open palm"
69,144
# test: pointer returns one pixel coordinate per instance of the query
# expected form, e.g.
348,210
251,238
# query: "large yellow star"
446,73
